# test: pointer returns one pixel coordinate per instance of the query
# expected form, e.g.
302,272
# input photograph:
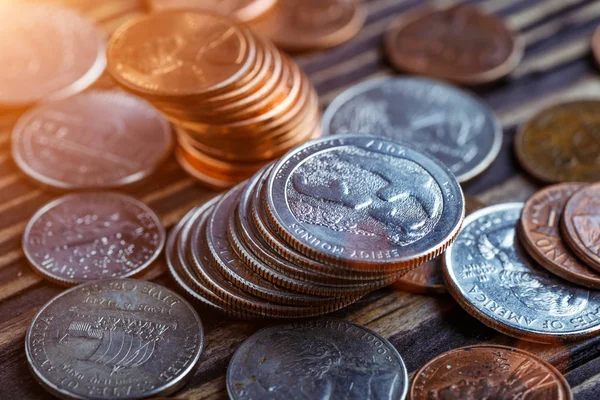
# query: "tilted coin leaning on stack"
236,101
331,221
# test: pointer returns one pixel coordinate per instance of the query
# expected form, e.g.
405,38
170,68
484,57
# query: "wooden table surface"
558,65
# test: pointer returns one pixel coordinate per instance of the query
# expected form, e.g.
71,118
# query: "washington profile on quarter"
452,125
323,358
491,276
114,339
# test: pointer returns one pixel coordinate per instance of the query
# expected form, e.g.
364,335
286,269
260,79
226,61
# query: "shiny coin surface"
114,339
560,143
311,24
450,124
460,44
90,236
243,10
364,202
581,225
491,276
49,53
540,232
489,372
98,139
317,359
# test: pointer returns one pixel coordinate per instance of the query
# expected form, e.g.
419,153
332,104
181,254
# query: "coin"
460,44
311,24
244,10
89,236
560,143
489,372
316,359
581,225
453,126
539,230
98,139
364,202
491,277
114,339
49,53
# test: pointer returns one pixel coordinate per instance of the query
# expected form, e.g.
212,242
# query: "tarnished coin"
450,124
364,202
491,276
540,231
581,225
311,24
98,139
90,236
460,44
561,143
48,53
114,339
243,10
324,358
489,372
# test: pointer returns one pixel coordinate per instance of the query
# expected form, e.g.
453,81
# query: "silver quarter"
325,358
448,123
89,236
364,201
95,140
492,277
114,339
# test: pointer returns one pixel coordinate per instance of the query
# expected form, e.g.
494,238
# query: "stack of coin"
237,102
332,220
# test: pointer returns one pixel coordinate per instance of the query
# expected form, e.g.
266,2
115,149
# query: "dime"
581,225
450,124
460,44
489,372
312,24
364,202
243,10
90,236
560,144
114,339
539,229
491,277
48,53
98,139
317,359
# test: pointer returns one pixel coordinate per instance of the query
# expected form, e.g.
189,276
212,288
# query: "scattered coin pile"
333,220
237,101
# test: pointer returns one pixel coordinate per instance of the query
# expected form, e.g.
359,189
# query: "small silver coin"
89,236
324,358
450,124
492,277
114,339
364,201
95,140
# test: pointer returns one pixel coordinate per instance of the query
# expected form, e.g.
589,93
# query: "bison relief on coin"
354,191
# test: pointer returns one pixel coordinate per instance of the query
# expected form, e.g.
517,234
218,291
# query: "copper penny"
561,143
539,229
460,44
243,10
488,372
581,225
48,53
312,24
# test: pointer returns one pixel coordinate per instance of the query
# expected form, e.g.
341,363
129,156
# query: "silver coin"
325,358
492,277
364,201
450,124
98,139
89,236
114,339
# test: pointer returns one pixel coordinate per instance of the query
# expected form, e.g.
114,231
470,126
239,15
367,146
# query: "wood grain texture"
557,66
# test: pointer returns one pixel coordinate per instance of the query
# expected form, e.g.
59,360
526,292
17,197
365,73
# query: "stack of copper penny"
331,221
236,101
